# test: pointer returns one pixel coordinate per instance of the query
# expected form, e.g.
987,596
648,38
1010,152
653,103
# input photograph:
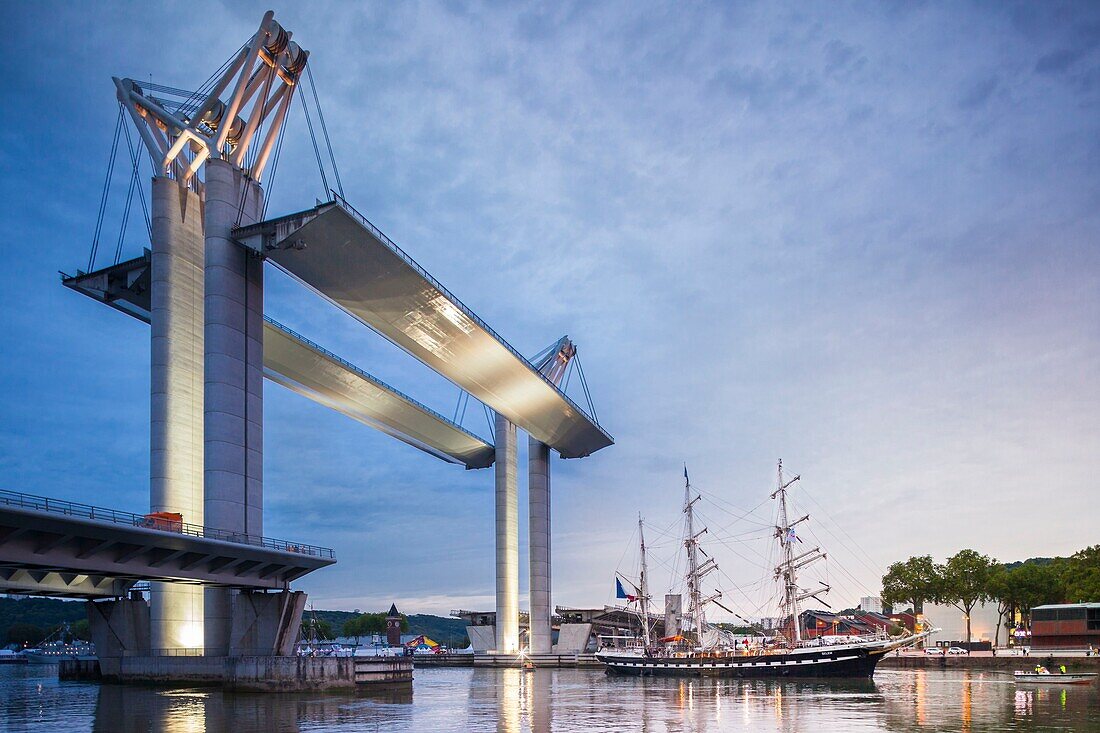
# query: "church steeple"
393,626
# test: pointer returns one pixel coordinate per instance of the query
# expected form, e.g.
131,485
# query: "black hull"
852,663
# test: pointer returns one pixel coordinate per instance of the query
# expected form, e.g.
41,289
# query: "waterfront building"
1066,626
871,604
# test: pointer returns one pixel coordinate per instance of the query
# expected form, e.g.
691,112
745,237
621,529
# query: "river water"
585,701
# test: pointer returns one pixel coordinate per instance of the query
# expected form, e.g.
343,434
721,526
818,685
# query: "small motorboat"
1049,678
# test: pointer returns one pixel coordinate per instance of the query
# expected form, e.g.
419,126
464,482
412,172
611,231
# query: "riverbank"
1004,662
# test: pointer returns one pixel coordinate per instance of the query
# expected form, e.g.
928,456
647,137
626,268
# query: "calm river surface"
32,699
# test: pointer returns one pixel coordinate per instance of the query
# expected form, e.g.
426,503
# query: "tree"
366,624
964,582
316,628
81,629
1080,575
25,634
913,581
1002,590
1037,584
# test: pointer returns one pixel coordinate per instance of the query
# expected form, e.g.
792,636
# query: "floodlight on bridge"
310,370
264,72
335,251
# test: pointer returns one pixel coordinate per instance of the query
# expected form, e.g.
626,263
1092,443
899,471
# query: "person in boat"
1062,668
1040,669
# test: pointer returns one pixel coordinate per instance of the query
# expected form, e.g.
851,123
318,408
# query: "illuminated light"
191,635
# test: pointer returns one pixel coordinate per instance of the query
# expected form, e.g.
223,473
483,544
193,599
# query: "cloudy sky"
864,238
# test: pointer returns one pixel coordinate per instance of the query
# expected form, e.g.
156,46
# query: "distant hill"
1031,560
449,631
46,613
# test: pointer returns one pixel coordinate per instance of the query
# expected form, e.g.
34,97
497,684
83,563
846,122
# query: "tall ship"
702,649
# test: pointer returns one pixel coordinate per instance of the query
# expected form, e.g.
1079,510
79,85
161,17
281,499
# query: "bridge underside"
311,371
345,259
51,553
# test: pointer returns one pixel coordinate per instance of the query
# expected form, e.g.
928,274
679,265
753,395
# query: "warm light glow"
191,635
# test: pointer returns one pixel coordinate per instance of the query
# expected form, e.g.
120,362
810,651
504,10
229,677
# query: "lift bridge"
200,287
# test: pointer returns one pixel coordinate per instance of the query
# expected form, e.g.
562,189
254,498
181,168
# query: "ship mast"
784,532
643,589
695,569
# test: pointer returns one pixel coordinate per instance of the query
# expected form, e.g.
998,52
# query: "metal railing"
367,377
342,202
114,516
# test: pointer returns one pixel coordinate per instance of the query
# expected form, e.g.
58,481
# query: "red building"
822,623
1066,626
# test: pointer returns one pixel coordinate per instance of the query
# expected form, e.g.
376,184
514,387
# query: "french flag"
620,592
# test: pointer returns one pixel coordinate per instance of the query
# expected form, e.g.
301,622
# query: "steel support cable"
275,164
489,419
841,543
874,565
584,384
458,404
126,215
106,191
135,158
316,150
196,97
324,129
730,547
742,515
840,566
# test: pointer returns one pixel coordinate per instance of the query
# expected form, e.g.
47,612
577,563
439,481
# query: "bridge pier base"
119,627
266,624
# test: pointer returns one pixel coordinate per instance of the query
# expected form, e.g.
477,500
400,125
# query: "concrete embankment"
258,674
507,660
1004,663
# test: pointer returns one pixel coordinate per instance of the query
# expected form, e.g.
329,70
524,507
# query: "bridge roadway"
311,371
61,548
334,250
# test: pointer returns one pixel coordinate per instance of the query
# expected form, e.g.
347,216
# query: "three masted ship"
699,649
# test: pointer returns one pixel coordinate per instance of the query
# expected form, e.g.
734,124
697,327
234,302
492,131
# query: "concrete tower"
207,311
176,396
538,494
507,537
234,319
553,367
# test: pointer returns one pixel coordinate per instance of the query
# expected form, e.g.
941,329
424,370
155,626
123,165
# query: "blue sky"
861,237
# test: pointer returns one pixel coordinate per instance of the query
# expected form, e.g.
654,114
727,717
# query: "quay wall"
260,673
1009,663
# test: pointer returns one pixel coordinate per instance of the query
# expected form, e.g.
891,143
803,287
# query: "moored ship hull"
847,663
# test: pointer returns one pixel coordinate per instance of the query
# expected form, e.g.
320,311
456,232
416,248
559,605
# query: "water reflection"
985,701
199,710
562,701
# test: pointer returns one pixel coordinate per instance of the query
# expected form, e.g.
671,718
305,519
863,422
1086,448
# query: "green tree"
1037,584
25,634
1004,592
1080,575
913,581
366,624
81,629
317,628
964,582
